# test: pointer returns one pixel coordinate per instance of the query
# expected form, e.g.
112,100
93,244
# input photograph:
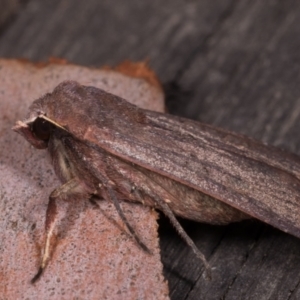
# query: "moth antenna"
168,212
116,203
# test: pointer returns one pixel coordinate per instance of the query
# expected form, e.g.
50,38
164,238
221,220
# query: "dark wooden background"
231,63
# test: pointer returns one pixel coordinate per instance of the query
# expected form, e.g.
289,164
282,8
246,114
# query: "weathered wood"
246,80
7,9
234,64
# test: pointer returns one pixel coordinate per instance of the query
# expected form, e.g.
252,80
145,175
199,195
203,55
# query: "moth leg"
168,212
112,196
164,207
145,185
69,191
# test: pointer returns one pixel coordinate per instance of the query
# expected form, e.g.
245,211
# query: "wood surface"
7,10
234,64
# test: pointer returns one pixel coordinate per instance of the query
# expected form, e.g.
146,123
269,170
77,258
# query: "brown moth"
102,146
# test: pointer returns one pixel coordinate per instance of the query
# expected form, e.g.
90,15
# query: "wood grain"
8,9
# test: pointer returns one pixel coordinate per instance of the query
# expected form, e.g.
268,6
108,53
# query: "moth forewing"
261,181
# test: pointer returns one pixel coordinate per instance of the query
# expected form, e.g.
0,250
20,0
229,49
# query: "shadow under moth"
102,146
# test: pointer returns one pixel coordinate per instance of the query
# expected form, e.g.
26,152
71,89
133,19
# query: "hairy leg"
70,191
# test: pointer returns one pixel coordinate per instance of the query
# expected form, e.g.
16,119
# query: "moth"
102,146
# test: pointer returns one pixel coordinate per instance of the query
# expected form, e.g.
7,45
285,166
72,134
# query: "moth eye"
42,129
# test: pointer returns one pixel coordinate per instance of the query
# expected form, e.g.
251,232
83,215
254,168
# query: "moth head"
46,115
37,130
67,106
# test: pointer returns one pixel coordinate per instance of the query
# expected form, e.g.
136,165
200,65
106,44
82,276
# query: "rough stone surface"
94,257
